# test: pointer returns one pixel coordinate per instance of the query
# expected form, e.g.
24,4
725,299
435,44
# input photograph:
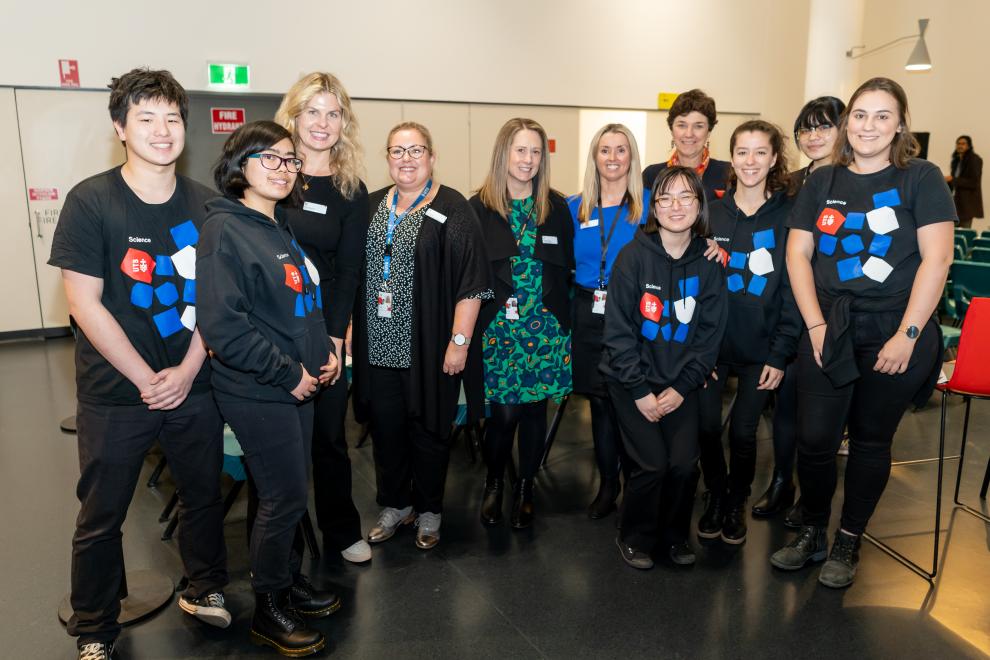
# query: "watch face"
459,339
912,332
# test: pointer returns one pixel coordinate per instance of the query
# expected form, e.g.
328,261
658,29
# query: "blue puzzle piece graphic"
163,265
666,310
849,269
879,245
757,284
689,286
826,244
185,234
309,303
680,335
735,282
665,331
737,260
167,294
319,298
305,274
189,292
168,322
854,221
141,295
886,198
649,330
300,305
852,244
764,239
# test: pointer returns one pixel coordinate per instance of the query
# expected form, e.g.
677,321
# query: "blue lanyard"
393,223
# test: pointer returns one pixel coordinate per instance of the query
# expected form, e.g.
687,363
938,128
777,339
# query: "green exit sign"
230,76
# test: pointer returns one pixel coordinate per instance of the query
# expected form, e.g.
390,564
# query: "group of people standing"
643,293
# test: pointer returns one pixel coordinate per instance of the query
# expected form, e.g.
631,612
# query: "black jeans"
275,438
500,430
871,406
113,441
743,423
785,423
605,435
410,460
663,470
336,515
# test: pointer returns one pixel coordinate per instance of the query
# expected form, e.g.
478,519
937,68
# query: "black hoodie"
764,323
656,339
260,309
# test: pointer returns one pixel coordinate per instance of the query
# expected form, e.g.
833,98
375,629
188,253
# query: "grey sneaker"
811,544
840,569
209,608
96,651
388,521
427,530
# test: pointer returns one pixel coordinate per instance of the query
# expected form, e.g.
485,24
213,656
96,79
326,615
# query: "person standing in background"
966,181
331,227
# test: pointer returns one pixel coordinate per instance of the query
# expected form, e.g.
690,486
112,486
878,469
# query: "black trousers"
275,438
336,515
871,407
410,460
785,422
606,438
500,430
737,478
113,441
663,471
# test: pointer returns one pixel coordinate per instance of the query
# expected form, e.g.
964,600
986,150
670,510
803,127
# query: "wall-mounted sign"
226,120
229,77
665,100
68,73
552,145
43,194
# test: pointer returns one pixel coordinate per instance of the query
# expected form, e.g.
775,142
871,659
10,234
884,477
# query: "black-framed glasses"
685,200
415,151
274,161
821,130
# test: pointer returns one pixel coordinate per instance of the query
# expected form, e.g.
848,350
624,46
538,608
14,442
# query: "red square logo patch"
650,307
138,265
293,279
829,221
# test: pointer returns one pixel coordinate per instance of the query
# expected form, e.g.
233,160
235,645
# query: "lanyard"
393,223
525,226
605,241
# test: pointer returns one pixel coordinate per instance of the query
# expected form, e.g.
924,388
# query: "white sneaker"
357,553
208,609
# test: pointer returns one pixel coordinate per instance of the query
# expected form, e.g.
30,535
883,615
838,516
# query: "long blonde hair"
494,192
346,155
592,180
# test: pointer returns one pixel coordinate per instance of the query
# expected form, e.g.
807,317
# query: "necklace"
306,181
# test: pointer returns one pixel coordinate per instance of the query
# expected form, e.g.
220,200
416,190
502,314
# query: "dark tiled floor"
558,590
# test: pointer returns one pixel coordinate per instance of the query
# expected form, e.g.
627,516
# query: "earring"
671,143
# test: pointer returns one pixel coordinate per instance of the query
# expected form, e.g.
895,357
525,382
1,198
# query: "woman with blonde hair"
526,334
612,204
331,226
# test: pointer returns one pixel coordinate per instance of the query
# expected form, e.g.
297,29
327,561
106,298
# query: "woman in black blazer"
965,179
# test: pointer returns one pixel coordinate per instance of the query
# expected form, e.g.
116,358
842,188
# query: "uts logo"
293,279
138,265
650,307
830,221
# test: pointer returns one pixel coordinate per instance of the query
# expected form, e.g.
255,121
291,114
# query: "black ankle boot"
779,496
522,506
276,626
794,517
491,502
734,523
604,502
710,523
305,599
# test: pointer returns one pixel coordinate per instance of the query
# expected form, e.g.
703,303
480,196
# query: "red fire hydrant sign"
226,120
68,73
43,194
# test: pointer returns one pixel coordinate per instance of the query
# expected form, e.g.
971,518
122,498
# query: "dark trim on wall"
39,333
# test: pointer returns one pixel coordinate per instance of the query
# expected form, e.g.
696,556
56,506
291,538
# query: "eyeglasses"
415,151
821,130
274,161
685,200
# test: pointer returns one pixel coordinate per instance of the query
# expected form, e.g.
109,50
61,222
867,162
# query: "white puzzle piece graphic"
313,273
684,309
185,262
882,220
877,269
761,261
188,318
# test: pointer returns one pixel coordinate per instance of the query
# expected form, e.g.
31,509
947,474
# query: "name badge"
313,207
512,309
549,240
598,301
436,215
590,224
384,305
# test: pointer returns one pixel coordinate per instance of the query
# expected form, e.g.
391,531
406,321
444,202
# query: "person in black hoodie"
663,327
763,322
260,315
526,339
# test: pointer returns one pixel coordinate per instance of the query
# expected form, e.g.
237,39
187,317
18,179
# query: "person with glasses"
868,252
525,335
331,226
965,180
664,322
605,215
426,274
691,119
260,314
763,323
815,133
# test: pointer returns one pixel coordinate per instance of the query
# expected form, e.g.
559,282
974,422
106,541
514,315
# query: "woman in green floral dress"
527,332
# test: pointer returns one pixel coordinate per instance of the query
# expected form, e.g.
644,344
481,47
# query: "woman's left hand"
454,359
668,401
713,250
895,355
770,378
330,372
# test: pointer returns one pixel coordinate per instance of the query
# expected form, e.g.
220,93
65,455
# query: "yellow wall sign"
665,100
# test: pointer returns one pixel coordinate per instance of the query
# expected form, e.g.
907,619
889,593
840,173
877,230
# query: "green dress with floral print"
528,359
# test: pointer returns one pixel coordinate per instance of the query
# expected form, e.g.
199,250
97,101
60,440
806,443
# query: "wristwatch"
912,332
460,340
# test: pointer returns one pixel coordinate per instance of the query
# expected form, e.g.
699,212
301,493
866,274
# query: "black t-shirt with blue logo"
865,226
146,256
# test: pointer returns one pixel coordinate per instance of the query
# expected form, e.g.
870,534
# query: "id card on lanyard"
385,296
512,302
601,293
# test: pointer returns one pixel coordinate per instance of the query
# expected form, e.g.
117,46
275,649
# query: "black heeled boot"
522,506
604,502
307,600
779,496
276,626
491,502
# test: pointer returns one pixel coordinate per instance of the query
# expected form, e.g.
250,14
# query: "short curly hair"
690,101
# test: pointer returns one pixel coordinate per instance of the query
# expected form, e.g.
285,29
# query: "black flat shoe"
522,506
604,502
682,554
634,557
491,502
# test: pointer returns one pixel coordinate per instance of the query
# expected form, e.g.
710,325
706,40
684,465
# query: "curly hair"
778,178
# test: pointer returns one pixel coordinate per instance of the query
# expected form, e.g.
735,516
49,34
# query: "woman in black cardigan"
526,339
965,179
